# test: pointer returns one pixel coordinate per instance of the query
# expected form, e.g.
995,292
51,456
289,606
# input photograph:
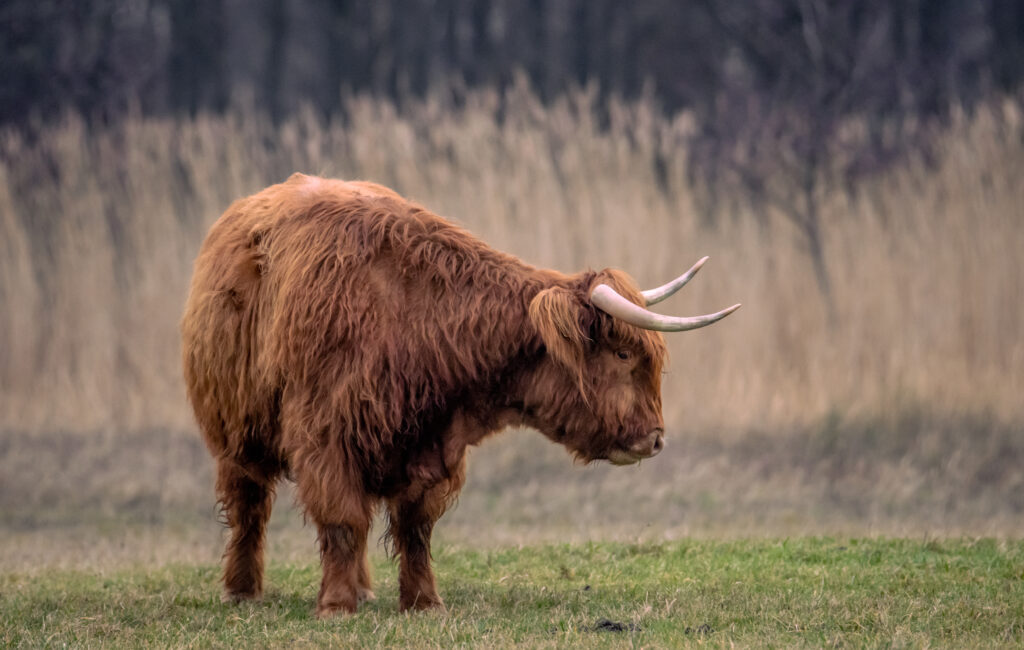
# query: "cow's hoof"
422,604
366,595
330,610
235,597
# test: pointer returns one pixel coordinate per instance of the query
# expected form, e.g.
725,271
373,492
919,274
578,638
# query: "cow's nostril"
658,444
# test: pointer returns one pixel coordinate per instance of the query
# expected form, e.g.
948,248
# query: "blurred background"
853,169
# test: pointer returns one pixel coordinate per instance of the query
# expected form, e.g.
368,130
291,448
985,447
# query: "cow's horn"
611,302
654,296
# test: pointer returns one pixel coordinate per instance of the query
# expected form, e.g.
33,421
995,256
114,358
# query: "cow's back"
300,288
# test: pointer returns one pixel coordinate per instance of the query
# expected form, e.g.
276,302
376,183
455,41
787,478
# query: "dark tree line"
179,56
774,84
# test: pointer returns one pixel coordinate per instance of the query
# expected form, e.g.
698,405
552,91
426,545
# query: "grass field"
814,592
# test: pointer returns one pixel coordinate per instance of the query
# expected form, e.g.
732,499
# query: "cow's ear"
556,312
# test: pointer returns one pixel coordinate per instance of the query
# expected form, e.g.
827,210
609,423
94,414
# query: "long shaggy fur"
344,335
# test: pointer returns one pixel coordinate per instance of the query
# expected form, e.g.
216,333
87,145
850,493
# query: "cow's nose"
659,442
650,445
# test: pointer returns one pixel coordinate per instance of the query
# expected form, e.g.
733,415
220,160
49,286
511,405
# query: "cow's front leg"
412,523
412,517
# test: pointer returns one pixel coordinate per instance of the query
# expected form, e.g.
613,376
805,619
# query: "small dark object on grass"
702,629
614,626
586,588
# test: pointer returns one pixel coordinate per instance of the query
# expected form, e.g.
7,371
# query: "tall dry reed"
98,230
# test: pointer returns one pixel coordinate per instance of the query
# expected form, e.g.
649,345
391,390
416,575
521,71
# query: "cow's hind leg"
345,581
246,493
334,499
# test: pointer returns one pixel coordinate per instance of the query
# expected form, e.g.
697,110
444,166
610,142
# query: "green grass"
803,592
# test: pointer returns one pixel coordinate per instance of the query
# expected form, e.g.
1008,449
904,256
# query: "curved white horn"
654,296
612,303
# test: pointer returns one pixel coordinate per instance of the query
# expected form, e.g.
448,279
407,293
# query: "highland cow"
346,338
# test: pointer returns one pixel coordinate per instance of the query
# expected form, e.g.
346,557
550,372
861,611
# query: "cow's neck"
504,402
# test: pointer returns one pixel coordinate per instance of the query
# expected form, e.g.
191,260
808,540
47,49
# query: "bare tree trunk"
811,226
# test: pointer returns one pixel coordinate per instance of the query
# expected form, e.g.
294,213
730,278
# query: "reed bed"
98,228
900,412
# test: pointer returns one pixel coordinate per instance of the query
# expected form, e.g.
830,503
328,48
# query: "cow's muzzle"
647,447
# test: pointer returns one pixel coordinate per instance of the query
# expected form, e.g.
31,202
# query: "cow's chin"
623,457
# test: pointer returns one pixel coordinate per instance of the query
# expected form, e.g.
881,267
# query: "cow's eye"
625,355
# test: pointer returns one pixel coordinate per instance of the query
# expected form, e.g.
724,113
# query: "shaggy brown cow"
350,339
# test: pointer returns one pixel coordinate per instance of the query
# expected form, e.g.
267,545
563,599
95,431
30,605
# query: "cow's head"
598,389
